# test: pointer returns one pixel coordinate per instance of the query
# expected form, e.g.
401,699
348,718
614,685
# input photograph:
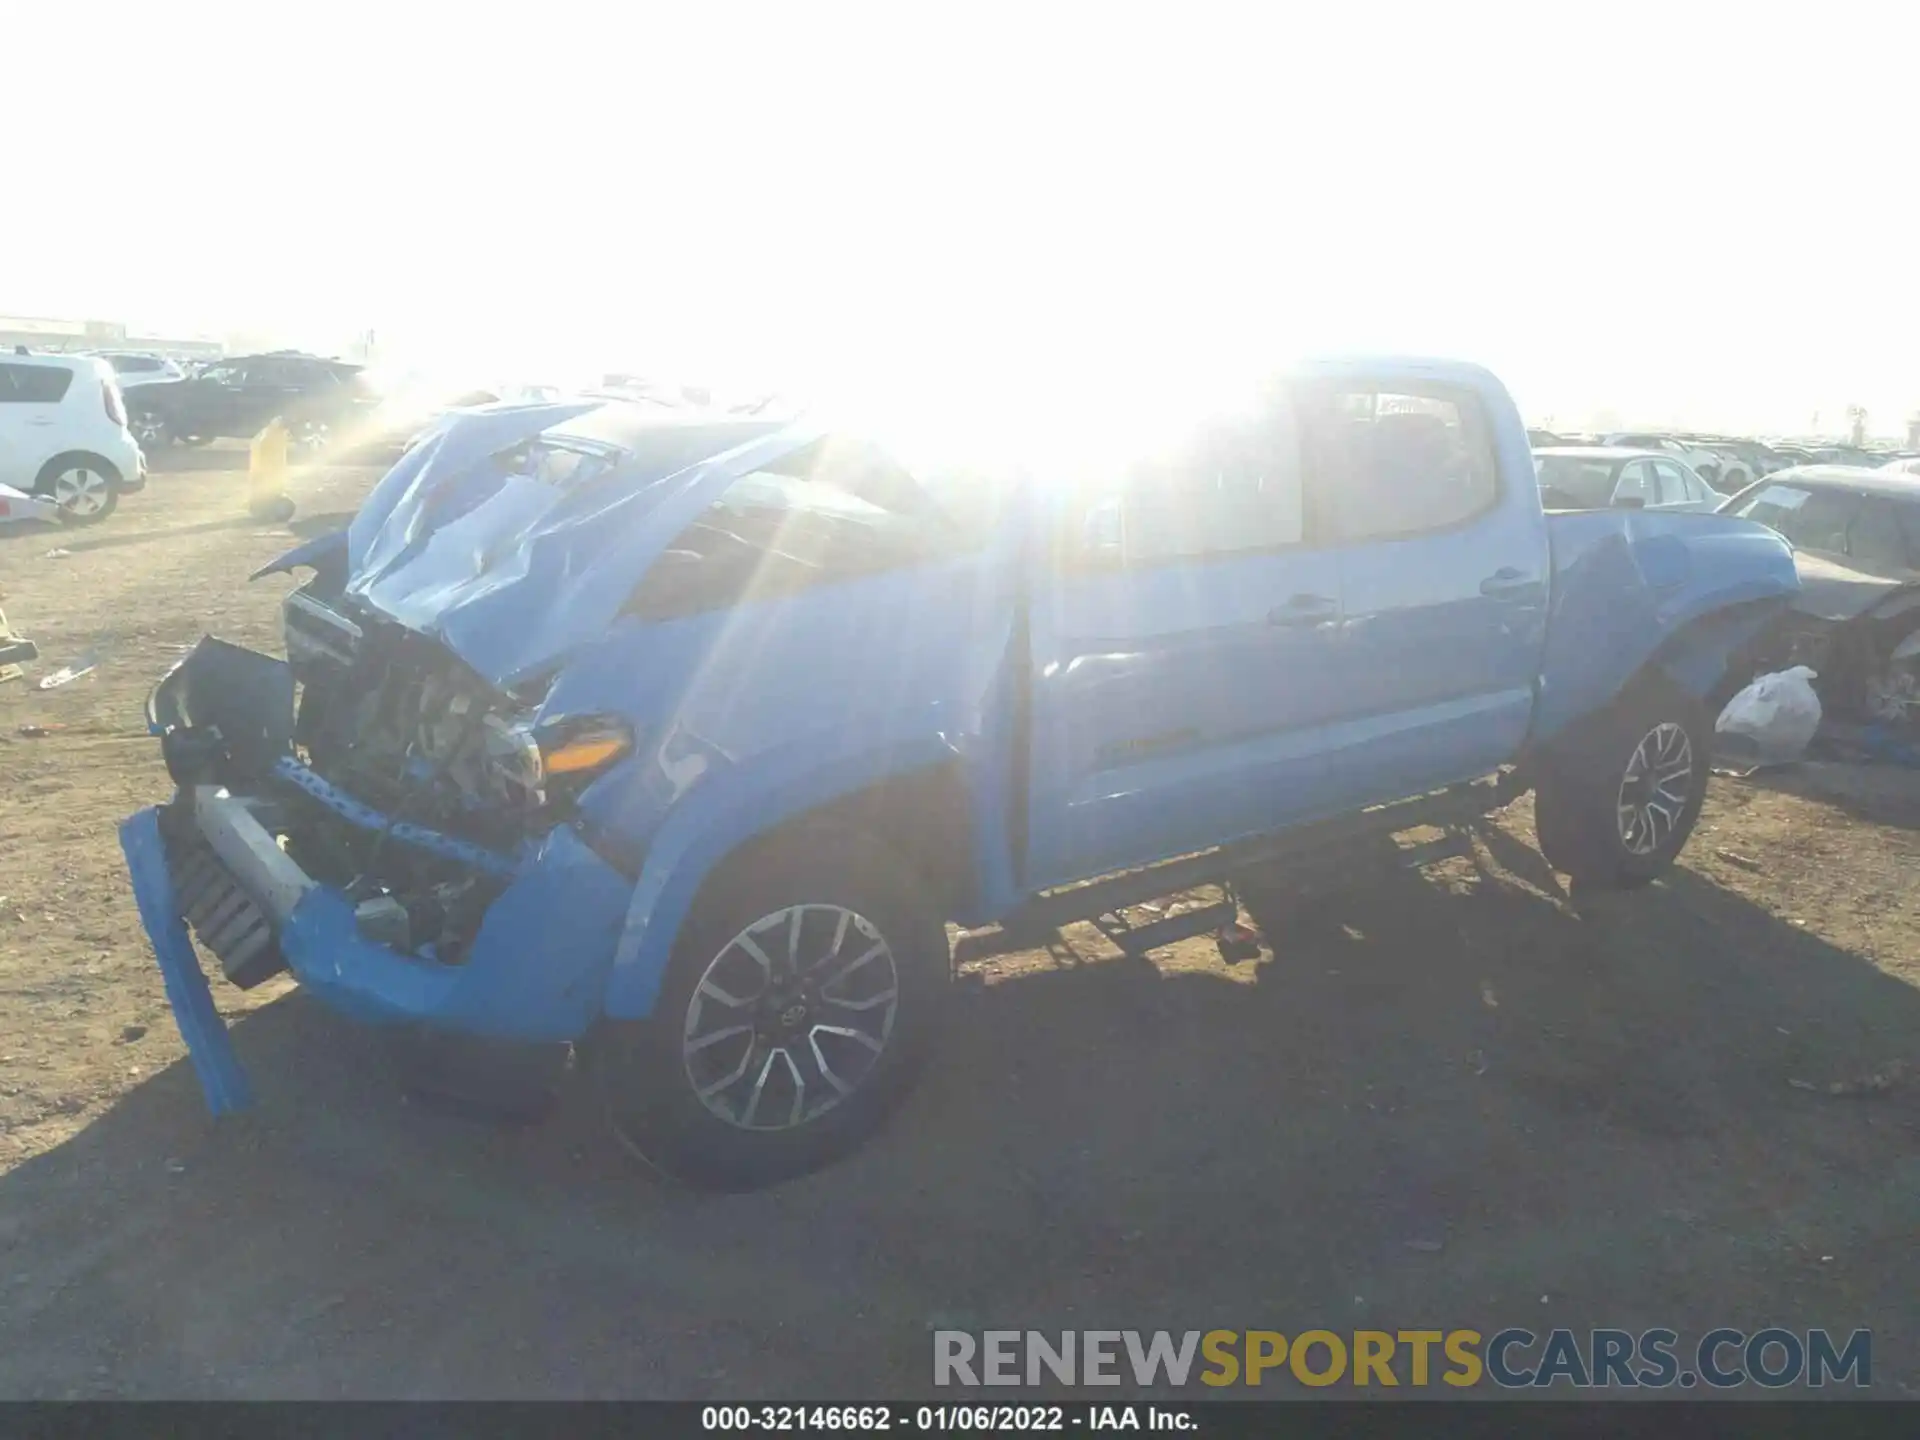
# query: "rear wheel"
803,992
84,488
150,430
312,437
1617,800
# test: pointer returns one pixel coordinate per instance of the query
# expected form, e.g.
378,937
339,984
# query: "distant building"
41,333
1913,432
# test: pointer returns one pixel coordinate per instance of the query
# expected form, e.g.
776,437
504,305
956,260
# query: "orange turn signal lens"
582,753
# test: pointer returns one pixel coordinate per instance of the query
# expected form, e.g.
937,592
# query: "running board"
1446,809
1142,939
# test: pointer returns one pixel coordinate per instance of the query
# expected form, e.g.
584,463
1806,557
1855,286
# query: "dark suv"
321,400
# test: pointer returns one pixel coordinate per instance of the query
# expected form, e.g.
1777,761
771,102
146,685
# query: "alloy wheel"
1656,788
81,492
791,1017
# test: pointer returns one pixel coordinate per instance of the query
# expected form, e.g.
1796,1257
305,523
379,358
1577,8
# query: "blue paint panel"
534,972
698,836
1627,583
209,1047
1442,633
1165,706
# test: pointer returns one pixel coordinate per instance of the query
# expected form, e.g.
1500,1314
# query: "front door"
1183,636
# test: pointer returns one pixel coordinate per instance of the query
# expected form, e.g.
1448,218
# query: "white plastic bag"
1774,718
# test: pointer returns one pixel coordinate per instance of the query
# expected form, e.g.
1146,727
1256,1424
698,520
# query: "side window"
222,375
1773,504
1876,538
1231,490
806,520
1822,522
1673,483
1390,463
1636,483
33,384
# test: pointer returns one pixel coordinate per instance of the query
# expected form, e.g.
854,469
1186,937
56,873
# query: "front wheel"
1617,800
802,995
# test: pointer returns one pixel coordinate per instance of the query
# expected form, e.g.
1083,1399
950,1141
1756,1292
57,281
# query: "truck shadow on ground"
1447,1100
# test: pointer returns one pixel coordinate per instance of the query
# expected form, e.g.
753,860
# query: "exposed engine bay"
398,724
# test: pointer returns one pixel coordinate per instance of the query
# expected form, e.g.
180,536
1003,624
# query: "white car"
1907,466
1723,474
135,368
64,436
1599,477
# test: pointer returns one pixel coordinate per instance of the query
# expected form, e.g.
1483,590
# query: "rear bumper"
535,971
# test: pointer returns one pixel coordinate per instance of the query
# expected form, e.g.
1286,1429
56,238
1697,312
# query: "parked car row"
1855,531
1727,464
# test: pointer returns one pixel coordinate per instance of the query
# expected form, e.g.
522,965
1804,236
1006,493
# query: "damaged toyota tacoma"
681,741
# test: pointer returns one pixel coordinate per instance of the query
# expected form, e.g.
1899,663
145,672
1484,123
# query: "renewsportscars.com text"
1772,1358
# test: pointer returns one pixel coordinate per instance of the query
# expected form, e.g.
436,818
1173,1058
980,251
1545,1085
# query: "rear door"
30,399
1442,554
1183,635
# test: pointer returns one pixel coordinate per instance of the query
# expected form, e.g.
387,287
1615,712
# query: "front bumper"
535,971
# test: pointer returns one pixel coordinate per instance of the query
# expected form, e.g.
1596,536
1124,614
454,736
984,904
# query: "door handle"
1304,610
1507,583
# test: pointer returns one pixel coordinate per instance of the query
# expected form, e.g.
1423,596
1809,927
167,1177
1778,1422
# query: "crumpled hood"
1830,590
512,571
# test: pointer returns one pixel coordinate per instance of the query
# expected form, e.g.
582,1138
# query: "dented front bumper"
535,971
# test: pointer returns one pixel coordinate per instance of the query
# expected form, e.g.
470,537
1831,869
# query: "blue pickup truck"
682,741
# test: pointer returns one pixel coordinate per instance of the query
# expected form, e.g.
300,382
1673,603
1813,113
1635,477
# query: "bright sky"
1676,213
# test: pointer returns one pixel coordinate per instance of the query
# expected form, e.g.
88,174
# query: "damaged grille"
404,726
223,917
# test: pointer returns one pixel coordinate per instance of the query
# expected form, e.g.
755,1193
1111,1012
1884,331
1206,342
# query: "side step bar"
1100,899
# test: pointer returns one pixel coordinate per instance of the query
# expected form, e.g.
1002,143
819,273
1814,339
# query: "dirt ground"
1447,1100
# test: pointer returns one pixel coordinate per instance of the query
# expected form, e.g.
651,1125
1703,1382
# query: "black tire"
651,1083
310,438
100,497
1614,759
